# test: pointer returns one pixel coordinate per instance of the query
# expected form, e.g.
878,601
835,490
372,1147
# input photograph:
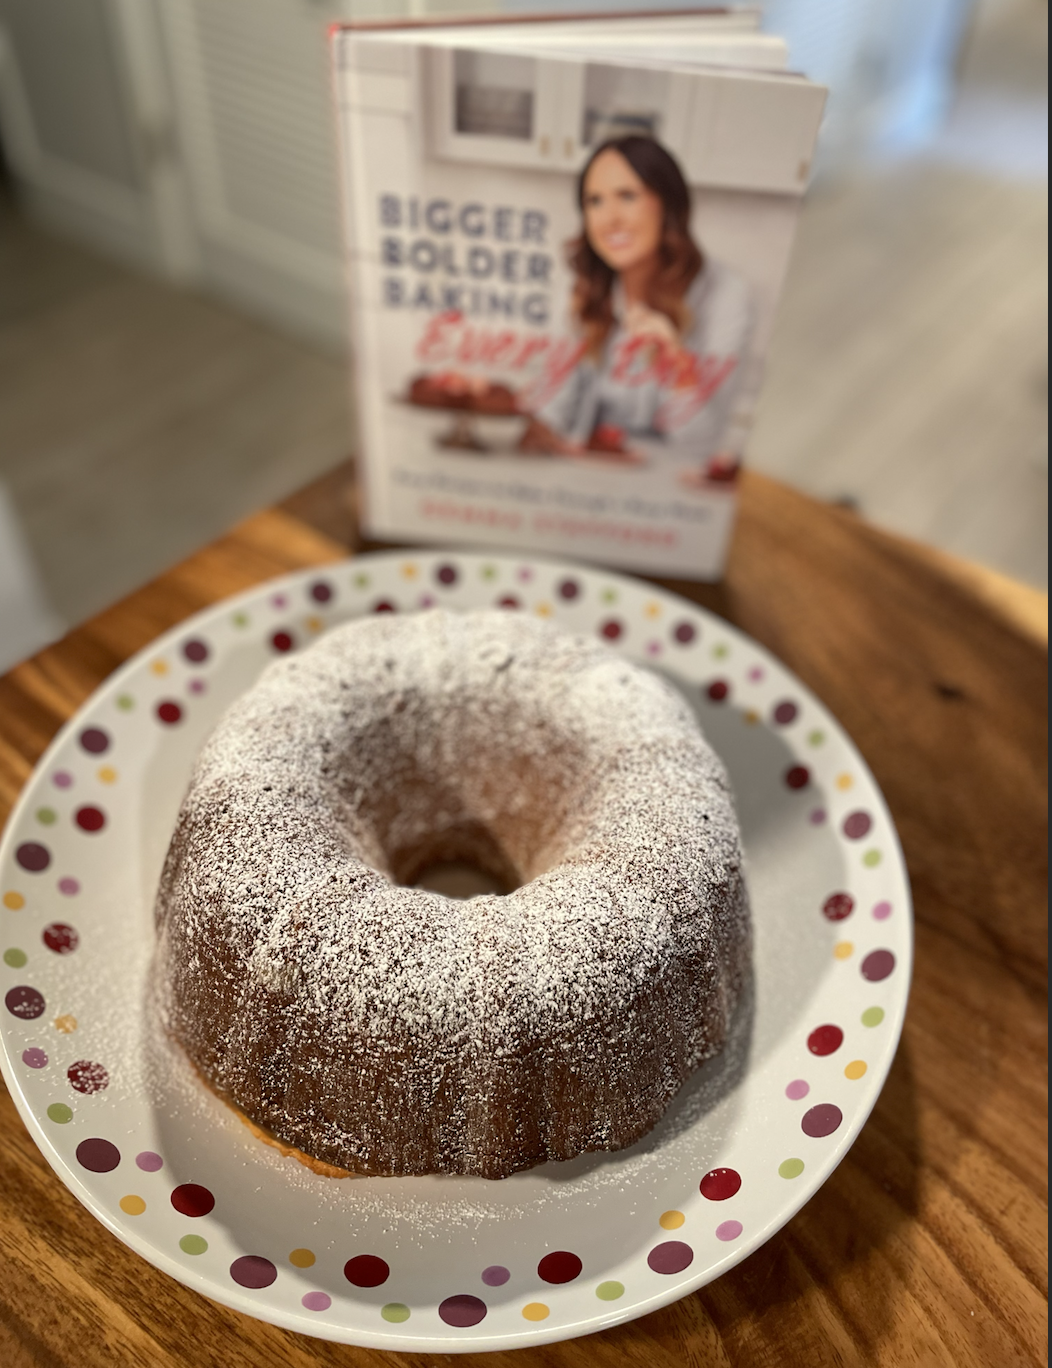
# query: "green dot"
609,596
396,1312
872,1016
15,959
488,572
241,619
872,858
47,816
361,581
720,650
790,1168
60,1113
610,1291
193,1244
816,738
125,702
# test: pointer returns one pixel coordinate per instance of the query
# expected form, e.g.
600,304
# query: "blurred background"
172,350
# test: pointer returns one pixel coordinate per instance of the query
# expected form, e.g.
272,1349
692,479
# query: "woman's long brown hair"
679,257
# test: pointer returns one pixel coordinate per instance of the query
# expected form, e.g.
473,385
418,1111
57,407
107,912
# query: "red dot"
508,601
196,651
87,1076
718,690
366,1270
798,776
857,825
90,819
569,589
611,629
169,712
785,713
282,641
559,1267
824,1040
94,740
838,906
191,1199
720,1183
384,606
684,633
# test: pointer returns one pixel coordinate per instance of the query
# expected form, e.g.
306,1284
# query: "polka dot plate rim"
448,1265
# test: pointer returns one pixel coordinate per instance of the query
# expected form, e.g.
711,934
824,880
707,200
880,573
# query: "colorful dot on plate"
193,1244
191,1199
68,887
462,1310
241,619
169,712
611,629
46,816
721,651
148,1161
508,601
844,781
671,1220
728,1230
543,610
88,1077
132,1205
843,950
653,610
496,1275
362,580
197,687
872,1016
815,738
302,1258
60,938
673,1256
882,911
67,1023
718,690
253,1271
797,777
817,816
98,1155
34,1057
751,717
489,572
525,573
159,667
33,857
654,648
785,712
719,1184
446,575
825,1040
366,1270
877,965
610,1290
821,1120
278,601
569,589
14,902
395,1312
125,702
790,1168
60,1113
838,906
535,1311
94,740
321,591
384,606
426,601
560,1266
609,595
106,774
196,651
409,570
855,1069
317,1301
89,818
856,825
15,958
755,674
684,633
798,1088
314,624
282,642
24,1002
872,858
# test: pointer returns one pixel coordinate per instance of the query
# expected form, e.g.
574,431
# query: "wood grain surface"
928,1245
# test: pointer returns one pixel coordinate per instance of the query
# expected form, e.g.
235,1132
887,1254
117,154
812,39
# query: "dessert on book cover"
563,280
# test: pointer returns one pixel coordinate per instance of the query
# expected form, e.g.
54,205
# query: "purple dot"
821,1120
560,1266
495,1276
94,740
70,887
366,1270
253,1271
462,1310
857,825
90,818
88,1077
785,713
169,712
98,1156
728,1230
877,965
817,816
569,589
61,938
671,1257
684,633
24,1002
62,779
316,1301
198,686
720,1183
446,574
882,911
149,1162
825,1040
798,1088
196,651
33,856
321,592
838,906
191,1199
34,1058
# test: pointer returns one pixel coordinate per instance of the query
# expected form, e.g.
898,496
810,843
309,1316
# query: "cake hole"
458,879
462,861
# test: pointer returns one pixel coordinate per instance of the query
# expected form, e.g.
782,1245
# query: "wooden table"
928,1244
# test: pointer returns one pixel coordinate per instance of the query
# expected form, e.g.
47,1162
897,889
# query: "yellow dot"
843,950
855,1069
409,571
752,717
108,775
543,610
314,624
132,1205
301,1258
159,667
13,901
536,1311
844,781
671,1220
66,1024
653,610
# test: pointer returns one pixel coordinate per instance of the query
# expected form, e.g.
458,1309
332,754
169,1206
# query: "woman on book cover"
664,328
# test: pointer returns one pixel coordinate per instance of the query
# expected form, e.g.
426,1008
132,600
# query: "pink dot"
671,1257
427,600
90,819
366,1270
34,1058
197,686
797,777
70,887
720,1183
798,1088
278,601
838,906
282,642
654,648
825,1040
149,1162
857,825
785,713
728,1230
877,965
88,1077
316,1301
559,1267
62,779
60,938
191,1199
94,740
882,911
462,1310
98,1156
821,1120
33,857
525,574
755,674
495,1276
817,816
718,690
169,712
253,1271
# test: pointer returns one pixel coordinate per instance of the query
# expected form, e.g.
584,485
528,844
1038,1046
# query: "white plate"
465,1264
